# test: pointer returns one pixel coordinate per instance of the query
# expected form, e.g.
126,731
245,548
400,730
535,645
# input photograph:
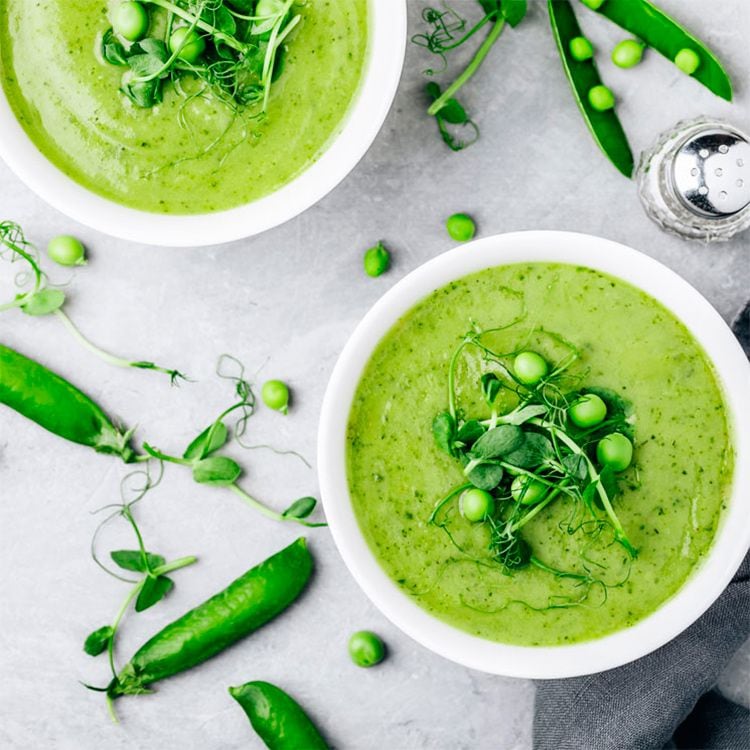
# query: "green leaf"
608,479
486,476
112,51
498,442
491,386
576,464
132,559
444,432
155,588
469,433
153,47
454,113
221,19
514,11
143,93
145,65
523,415
534,450
301,508
199,448
219,471
98,641
44,302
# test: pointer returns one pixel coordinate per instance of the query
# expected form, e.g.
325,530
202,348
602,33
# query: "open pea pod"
584,75
666,36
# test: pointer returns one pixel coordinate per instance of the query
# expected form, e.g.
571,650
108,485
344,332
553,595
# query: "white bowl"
704,585
387,47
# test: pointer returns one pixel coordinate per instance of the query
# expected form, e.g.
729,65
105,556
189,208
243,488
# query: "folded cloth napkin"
666,699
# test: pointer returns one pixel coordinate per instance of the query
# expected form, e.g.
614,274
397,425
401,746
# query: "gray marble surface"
284,303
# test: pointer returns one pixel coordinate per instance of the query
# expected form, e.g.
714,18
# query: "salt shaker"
695,180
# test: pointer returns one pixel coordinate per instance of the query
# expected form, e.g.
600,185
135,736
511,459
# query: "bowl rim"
705,583
366,115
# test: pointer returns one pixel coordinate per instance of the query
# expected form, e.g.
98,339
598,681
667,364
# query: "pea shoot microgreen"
529,454
36,298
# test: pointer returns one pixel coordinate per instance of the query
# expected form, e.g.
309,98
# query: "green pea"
527,490
593,4
275,395
581,48
189,43
687,61
530,367
587,411
67,251
377,260
627,53
131,21
476,505
601,98
461,227
615,451
366,649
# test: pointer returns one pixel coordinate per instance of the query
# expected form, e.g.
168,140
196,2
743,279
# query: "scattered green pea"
627,53
587,411
66,250
189,43
527,490
461,227
275,395
377,260
476,505
593,4
615,451
530,367
130,21
581,48
687,61
601,98
366,649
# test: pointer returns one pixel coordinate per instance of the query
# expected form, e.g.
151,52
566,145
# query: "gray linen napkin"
665,699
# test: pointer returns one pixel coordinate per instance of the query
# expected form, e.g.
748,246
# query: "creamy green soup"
671,499
174,158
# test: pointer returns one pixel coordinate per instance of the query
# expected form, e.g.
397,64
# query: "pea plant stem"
266,511
471,68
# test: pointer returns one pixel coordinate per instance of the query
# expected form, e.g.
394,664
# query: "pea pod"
247,603
47,399
666,36
583,76
278,719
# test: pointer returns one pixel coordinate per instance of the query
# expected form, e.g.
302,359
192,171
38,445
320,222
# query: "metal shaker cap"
711,172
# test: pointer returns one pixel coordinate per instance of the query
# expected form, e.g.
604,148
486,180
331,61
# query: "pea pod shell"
278,719
583,76
665,35
53,403
247,603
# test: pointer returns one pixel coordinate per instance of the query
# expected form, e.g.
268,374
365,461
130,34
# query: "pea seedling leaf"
301,508
498,442
575,463
219,471
514,11
143,93
534,450
155,588
112,51
97,642
486,476
469,433
132,559
44,302
491,386
444,432
200,448
220,18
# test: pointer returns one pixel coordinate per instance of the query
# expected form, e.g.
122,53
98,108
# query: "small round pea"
530,367
130,21
627,53
581,48
687,61
601,98
366,649
615,451
593,4
460,227
275,395
527,490
189,43
377,260
67,251
476,505
587,411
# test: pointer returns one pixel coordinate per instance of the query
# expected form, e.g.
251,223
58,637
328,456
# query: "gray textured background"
286,302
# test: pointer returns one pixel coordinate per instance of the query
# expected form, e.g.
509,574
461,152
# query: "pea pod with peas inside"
247,603
59,407
278,719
